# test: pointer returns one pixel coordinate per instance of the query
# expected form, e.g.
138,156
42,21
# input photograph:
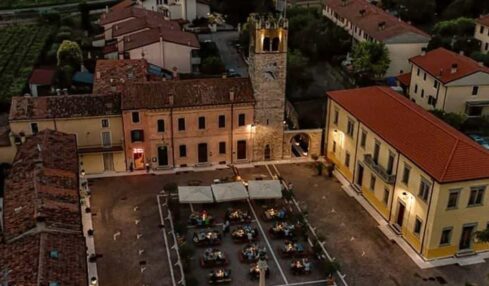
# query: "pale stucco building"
481,32
444,80
94,119
177,123
366,22
426,179
136,33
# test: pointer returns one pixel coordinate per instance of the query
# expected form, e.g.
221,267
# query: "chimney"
231,96
381,26
423,52
65,91
58,91
461,53
454,68
106,9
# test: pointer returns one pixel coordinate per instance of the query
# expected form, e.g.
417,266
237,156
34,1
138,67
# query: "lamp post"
262,267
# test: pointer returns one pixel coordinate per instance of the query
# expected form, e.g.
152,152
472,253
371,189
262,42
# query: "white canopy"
229,192
195,194
265,189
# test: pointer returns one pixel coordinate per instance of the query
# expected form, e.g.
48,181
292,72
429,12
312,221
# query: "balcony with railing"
101,148
379,170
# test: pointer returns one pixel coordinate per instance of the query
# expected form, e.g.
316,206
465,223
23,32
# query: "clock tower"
267,70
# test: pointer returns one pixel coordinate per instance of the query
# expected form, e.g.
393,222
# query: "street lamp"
262,267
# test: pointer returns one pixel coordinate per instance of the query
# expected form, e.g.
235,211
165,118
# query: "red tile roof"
404,79
483,20
29,263
111,75
42,214
439,63
64,106
196,92
42,76
146,22
438,149
127,13
123,4
43,184
152,36
373,16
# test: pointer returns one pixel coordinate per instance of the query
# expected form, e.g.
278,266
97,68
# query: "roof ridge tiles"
421,112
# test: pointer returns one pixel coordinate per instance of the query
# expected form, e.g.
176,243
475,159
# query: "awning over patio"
229,192
195,194
265,189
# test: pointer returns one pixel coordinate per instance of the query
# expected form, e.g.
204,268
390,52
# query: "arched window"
275,44
266,44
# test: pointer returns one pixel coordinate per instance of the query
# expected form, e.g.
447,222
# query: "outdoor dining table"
300,266
252,252
213,257
200,219
207,237
244,233
282,230
275,214
237,216
220,276
293,249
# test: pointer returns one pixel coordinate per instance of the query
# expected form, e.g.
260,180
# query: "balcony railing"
379,170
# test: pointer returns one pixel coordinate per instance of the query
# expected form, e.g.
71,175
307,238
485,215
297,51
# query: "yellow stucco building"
94,119
424,177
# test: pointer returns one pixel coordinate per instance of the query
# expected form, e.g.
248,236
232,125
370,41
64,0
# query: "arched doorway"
267,153
299,145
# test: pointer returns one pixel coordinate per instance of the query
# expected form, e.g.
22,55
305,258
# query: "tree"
465,8
456,35
370,59
298,76
314,35
69,53
212,65
85,16
65,76
453,119
417,11
460,26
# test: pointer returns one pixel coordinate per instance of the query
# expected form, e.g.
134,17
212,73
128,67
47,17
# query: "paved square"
128,205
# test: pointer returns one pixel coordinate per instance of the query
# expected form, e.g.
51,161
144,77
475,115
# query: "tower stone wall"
267,70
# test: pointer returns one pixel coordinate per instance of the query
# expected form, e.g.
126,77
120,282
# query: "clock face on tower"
270,71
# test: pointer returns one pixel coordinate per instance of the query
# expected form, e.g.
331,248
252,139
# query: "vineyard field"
20,48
